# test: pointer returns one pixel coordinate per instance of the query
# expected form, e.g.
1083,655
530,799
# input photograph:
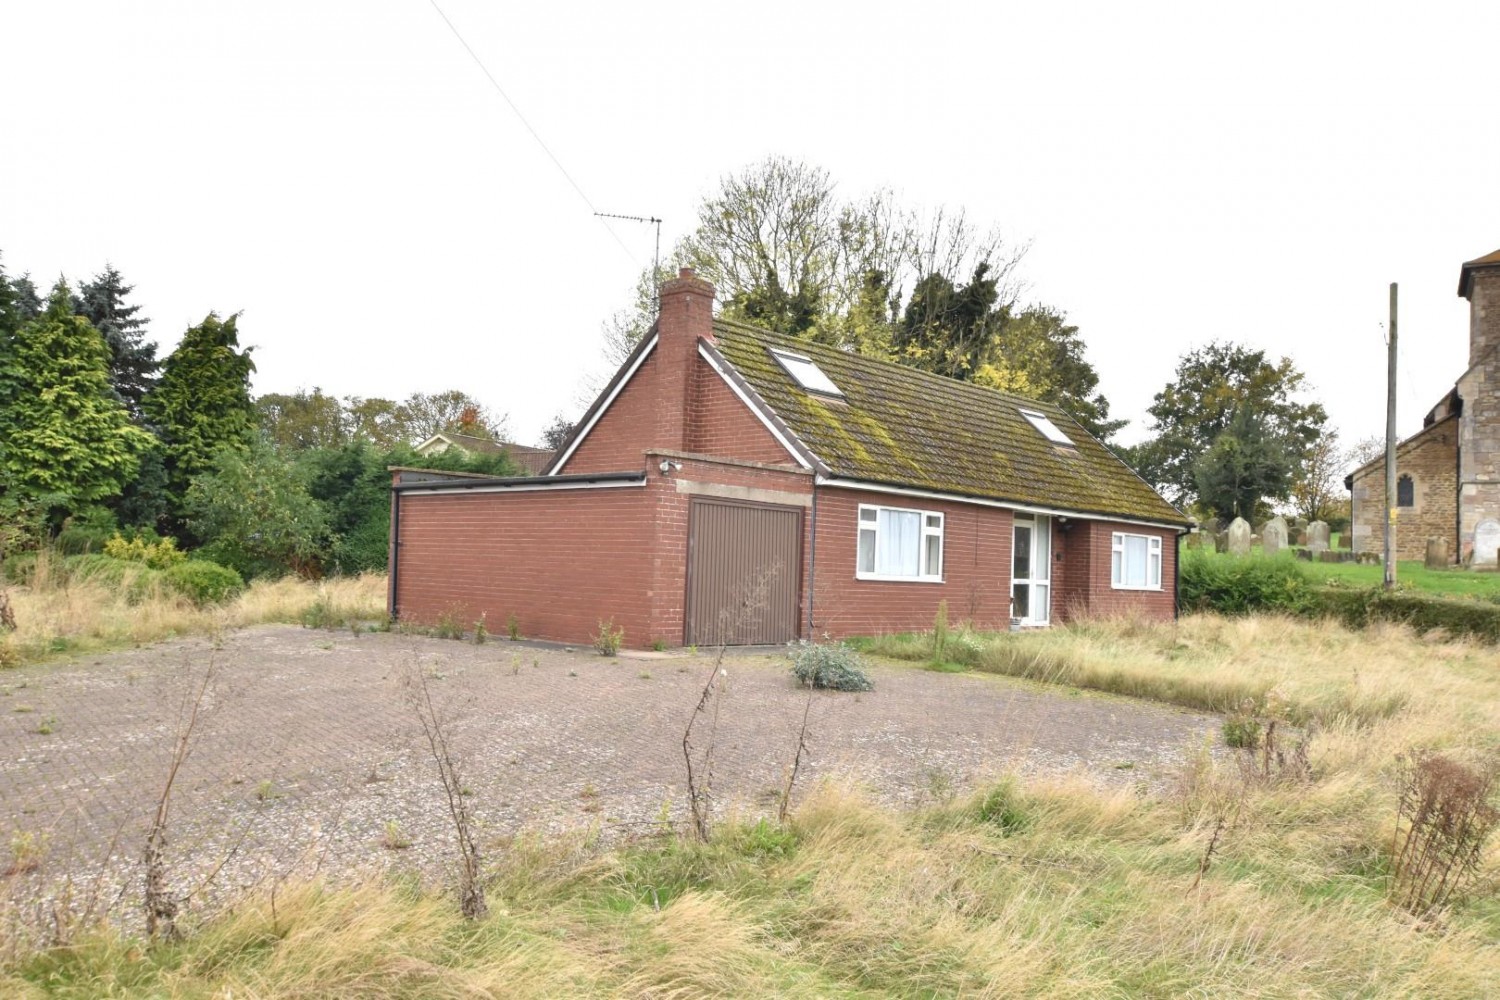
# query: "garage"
744,562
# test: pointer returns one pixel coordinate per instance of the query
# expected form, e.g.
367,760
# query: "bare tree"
1319,484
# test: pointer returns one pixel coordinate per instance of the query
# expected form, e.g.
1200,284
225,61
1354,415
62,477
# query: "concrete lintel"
749,494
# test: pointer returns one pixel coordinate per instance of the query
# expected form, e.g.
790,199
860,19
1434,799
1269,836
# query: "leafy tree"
1041,343
65,435
1246,464
453,410
557,433
133,363
201,404
382,422
303,419
1317,490
353,484
254,513
953,331
1212,385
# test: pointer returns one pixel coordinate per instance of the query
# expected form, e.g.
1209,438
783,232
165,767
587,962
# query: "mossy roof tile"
904,427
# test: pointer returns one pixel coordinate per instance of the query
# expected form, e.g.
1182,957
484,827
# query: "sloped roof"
903,427
533,460
1488,260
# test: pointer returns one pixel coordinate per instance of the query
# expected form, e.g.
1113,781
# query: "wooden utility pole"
1390,449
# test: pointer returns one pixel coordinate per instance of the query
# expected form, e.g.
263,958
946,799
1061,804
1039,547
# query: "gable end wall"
1431,459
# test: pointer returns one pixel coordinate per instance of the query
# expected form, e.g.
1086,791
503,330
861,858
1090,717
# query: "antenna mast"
650,220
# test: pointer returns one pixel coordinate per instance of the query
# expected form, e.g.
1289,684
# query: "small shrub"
160,554
26,852
833,666
320,614
513,627
607,640
660,645
47,726
1242,732
1242,585
1443,820
447,626
203,582
1002,806
767,840
393,838
481,634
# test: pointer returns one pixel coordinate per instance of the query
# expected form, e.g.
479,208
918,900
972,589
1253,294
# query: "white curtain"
900,541
1135,560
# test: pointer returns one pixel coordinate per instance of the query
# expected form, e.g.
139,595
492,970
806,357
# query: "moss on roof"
904,427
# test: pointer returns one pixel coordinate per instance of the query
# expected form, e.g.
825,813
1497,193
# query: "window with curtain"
1135,561
896,543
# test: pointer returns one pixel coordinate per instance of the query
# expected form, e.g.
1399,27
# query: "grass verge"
58,614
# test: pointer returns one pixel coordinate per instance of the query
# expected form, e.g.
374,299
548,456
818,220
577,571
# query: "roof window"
1049,430
806,372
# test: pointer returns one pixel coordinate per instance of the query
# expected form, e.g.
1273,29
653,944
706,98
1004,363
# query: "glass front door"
1031,570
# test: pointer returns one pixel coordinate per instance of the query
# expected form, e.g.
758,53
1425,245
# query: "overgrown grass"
125,604
1055,890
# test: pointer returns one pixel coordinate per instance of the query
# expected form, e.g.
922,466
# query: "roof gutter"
526,484
879,487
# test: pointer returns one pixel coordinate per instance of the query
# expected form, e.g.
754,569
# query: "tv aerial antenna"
649,220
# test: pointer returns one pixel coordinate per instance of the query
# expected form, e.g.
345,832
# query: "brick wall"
618,441
720,424
976,569
559,560
1430,458
1089,589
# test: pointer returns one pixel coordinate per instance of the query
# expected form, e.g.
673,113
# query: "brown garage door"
744,561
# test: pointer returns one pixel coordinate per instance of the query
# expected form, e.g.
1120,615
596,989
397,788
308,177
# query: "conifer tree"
66,437
133,363
201,403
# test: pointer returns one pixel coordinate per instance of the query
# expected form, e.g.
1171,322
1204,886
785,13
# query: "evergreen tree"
66,437
27,304
201,404
133,363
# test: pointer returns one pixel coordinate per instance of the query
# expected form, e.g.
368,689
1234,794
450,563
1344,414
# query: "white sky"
345,175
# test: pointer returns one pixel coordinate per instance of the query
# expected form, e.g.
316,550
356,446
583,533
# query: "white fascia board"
608,400
855,484
541,484
755,409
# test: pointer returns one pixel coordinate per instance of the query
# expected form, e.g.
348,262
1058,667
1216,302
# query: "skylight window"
806,372
1049,430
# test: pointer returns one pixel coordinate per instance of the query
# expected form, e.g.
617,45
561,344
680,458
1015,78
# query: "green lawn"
1457,582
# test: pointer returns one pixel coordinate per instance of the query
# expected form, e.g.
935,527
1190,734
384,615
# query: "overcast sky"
345,175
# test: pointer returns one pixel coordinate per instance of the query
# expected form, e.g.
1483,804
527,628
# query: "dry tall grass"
1048,888
56,615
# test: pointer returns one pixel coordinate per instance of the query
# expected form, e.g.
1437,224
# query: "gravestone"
1221,542
1487,544
1210,526
1273,536
1194,540
1317,536
1437,553
1239,537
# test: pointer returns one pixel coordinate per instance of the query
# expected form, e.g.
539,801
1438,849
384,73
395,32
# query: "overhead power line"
534,134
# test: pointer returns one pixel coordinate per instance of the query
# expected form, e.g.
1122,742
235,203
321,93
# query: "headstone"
1487,544
1299,537
1221,542
1210,526
1194,540
1239,537
1437,552
1317,536
1273,536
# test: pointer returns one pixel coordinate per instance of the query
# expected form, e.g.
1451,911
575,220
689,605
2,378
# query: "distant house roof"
898,426
532,460
1466,273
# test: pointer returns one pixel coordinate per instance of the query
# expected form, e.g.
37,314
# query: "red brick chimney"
687,316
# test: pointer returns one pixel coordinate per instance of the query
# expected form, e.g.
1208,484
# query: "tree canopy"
132,358
931,290
1214,387
201,404
66,436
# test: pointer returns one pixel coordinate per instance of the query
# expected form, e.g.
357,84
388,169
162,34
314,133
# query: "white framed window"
896,543
1049,430
806,372
1134,561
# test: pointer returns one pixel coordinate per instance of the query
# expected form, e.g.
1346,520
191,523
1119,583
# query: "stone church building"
1448,473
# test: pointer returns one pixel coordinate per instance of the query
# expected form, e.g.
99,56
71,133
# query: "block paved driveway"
309,750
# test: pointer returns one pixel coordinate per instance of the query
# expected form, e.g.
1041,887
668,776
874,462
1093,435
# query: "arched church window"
1405,492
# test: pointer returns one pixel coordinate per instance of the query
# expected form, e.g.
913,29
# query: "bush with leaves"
203,582
255,515
1245,584
835,666
157,553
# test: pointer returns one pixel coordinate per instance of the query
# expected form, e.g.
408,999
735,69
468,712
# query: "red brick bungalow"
734,485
